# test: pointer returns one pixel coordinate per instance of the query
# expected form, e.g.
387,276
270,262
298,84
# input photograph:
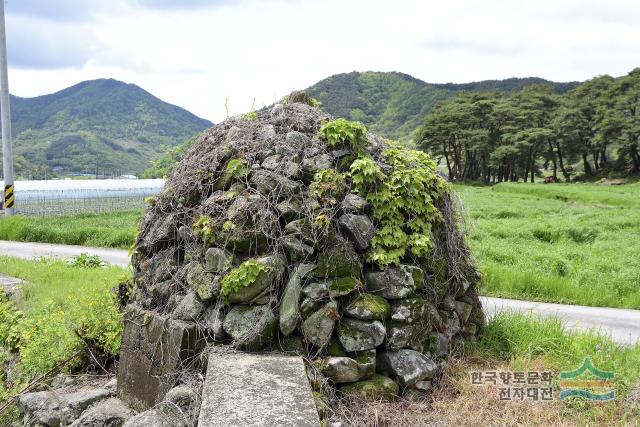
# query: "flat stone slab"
257,390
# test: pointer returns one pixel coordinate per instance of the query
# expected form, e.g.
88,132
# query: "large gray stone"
391,283
367,307
290,303
152,352
251,327
263,282
296,248
318,327
408,310
316,290
358,228
250,390
204,284
189,308
406,366
338,260
109,413
346,369
52,409
358,335
352,203
218,260
272,184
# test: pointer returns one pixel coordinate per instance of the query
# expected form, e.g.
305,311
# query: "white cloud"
200,53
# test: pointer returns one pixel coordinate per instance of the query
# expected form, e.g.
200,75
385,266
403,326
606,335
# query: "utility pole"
7,158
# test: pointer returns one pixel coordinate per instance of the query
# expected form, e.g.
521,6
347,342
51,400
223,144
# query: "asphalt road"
27,250
622,325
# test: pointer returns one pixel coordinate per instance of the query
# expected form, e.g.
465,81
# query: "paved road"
35,250
622,325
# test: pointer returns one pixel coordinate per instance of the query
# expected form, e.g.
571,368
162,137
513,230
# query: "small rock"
185,398
343,286
251,327
318,327
451,323
344,370
392,283
218,260
266,133
352,203
400,335
407,366
153,418
338,260
270,183
272,162
204,284
316,290
358,335
189,307
308,306
109,413
377,388
358,228
296,249
312,165
368,307
408,310
213,319
277,112
290,303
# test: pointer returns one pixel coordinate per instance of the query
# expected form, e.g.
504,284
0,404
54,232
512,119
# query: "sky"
199,54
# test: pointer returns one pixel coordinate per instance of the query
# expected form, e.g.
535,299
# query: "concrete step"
256,390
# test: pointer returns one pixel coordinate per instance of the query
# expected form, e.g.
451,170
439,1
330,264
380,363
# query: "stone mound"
285,230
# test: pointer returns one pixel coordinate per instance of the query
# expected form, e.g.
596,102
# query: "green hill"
104,125
394,104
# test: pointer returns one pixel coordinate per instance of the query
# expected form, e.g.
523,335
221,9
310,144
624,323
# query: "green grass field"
566,243
112,230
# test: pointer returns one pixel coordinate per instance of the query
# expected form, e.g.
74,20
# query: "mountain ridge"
96,125
393,104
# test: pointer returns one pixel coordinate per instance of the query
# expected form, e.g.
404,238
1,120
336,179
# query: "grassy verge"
574,243
112,230
60,310
516,342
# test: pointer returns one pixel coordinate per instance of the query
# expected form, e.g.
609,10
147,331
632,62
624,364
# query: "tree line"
495,136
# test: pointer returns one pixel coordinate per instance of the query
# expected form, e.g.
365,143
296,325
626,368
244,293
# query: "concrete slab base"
254,390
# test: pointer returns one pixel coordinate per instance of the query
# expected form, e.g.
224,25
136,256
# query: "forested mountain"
100,125
394,104
491,136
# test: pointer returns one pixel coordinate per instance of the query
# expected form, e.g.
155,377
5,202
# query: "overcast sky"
196,53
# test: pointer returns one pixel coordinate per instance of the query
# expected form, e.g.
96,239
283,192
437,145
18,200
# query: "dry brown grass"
456,402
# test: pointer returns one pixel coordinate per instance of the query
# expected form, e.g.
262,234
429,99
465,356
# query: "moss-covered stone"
377,388
338,260
251,327
318,327
368,307
344,286
358,335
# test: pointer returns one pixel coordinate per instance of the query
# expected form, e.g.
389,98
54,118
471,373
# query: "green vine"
402,200
343,132
204,227
241,277
237,168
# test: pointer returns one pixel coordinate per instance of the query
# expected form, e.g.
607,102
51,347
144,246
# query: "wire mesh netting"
72,197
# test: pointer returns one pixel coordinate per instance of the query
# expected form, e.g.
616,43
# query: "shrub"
343,132
402,200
